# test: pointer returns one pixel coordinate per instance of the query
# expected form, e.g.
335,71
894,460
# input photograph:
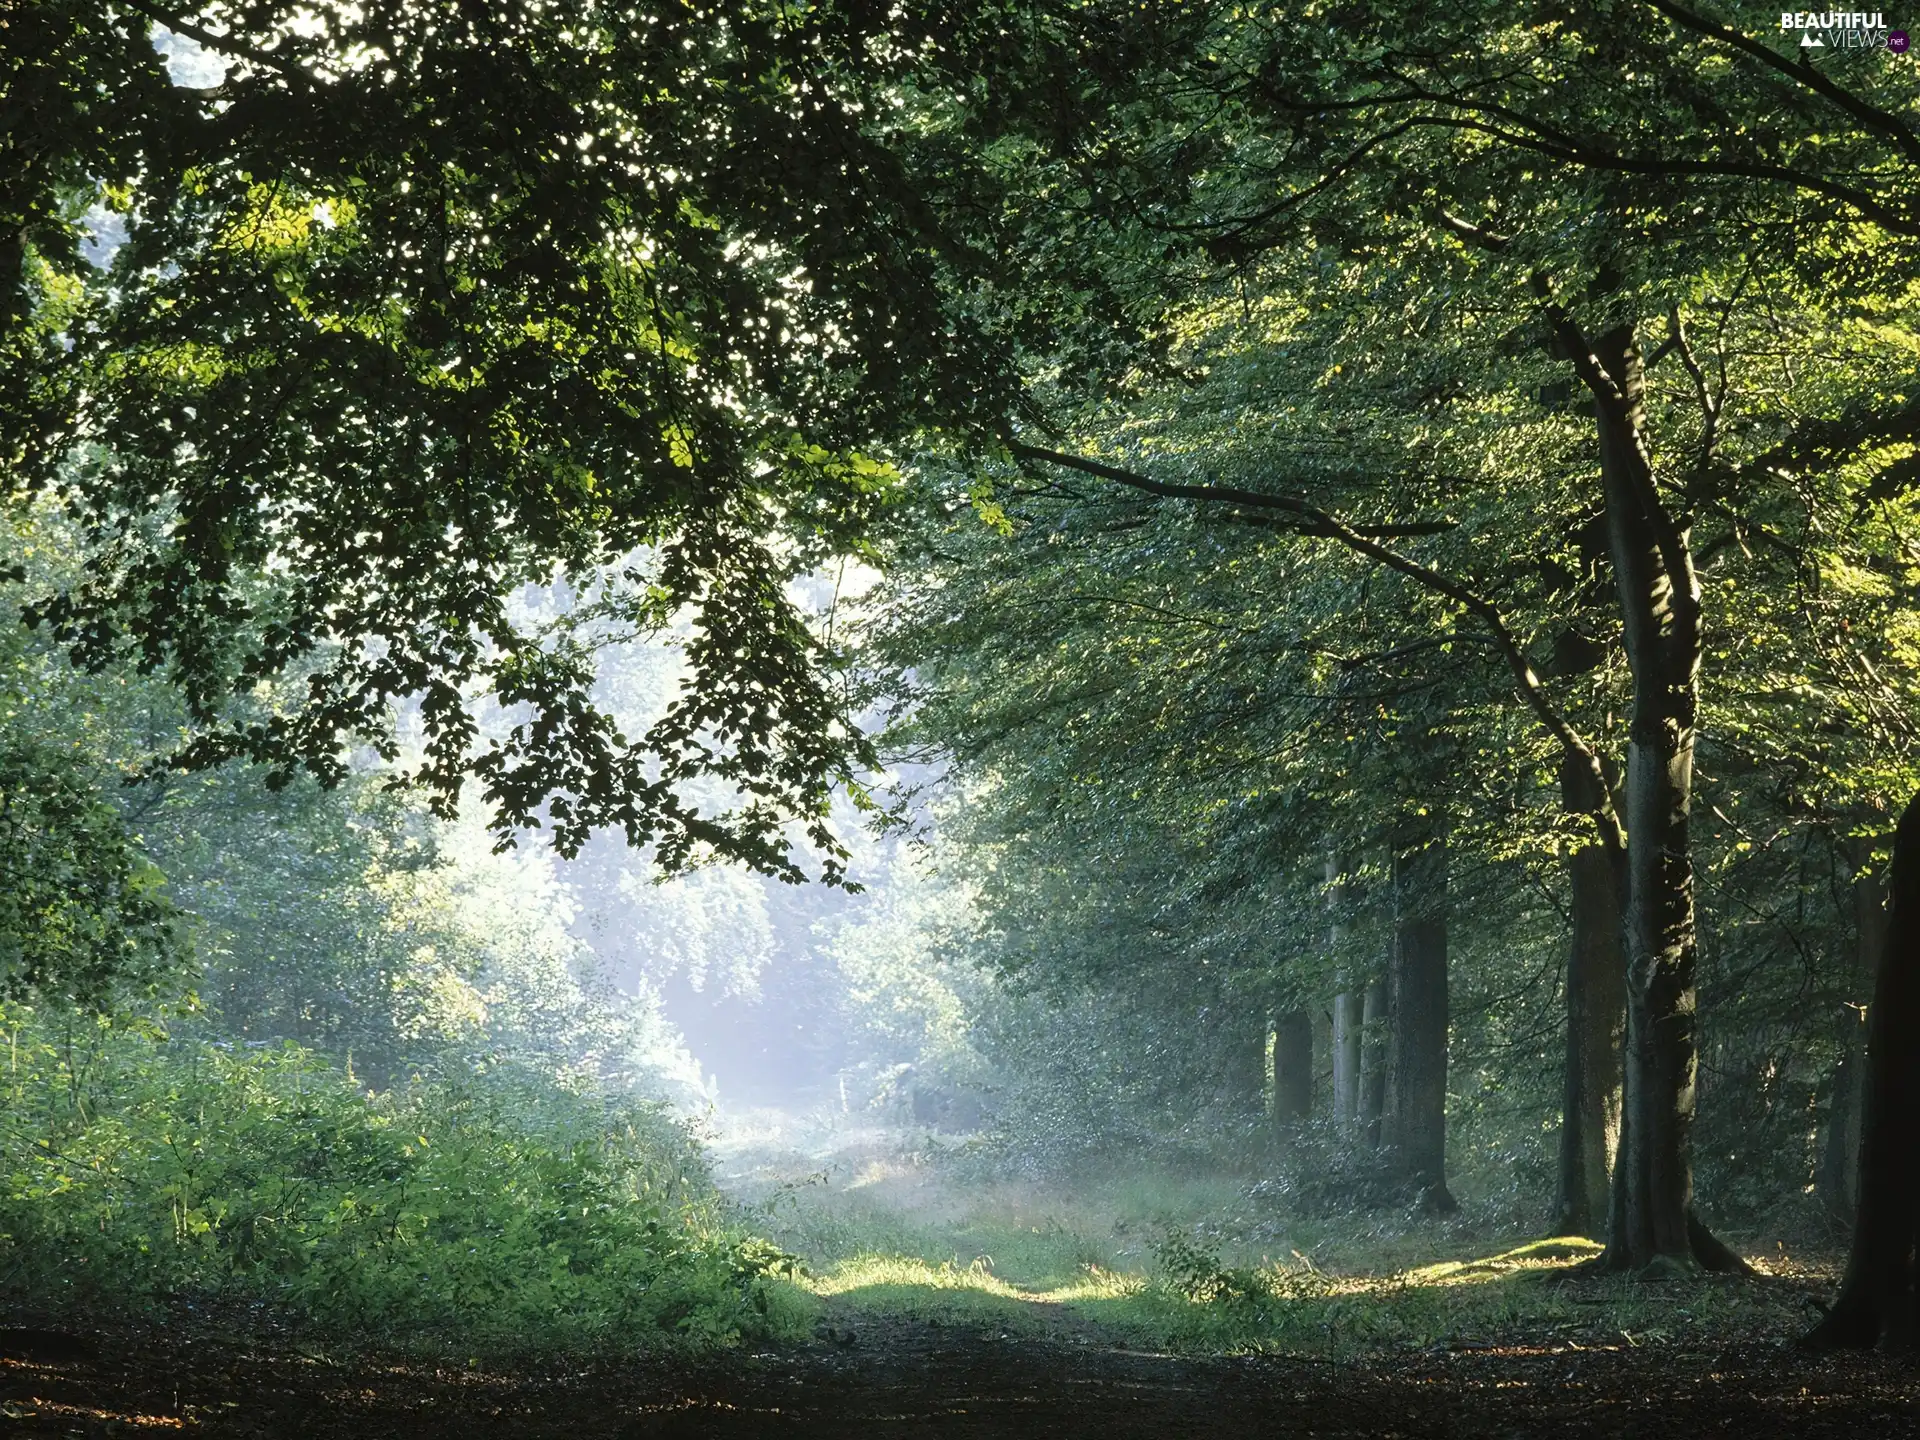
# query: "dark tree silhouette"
1877,1302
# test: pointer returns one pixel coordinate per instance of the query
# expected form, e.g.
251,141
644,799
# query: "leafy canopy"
426,303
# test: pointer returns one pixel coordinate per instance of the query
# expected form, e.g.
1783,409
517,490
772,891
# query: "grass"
1178,1263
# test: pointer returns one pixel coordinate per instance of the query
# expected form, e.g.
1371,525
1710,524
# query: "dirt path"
911,1378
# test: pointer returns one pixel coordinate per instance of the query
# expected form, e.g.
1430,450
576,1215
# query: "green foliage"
498,1212
542,292
1194,1272
83,917
86,917
1307,272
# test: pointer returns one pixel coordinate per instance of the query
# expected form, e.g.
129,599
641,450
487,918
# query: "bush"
1327,1170
495,1211
1193,1272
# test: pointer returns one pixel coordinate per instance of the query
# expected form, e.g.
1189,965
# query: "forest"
1008,717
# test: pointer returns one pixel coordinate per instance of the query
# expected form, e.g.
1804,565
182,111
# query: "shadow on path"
910,1378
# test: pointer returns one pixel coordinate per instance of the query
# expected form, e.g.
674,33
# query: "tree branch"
1615,405
1573,153
1474,235
1879,121
1324,523
1310,521
224,44
1709,408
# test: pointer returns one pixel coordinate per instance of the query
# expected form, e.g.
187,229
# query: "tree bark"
1652,1210
1322,1022
1348,1013
1292,1073
1348,1017
1837,1180
1596,1020
1375,1022
1877,1297
1416,1125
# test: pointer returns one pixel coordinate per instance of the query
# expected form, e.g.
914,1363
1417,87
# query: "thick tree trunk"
1416,1125
1596,1020
1291,1090
1877,1302
1652,1213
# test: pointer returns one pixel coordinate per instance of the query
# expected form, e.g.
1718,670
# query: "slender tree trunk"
1322,1020
1291,1088
1596,1020
1375,1022
1654,1224
1837,1180
1349,1014
1877,1301
1417,982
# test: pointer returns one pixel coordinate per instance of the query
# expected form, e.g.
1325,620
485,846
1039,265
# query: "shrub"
495,1210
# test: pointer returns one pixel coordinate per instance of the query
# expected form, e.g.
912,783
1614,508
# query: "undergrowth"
480,1212
1181,1262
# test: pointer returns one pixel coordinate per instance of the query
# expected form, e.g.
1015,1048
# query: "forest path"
902,1377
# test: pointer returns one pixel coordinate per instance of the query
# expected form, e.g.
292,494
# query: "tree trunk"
1349,1016
1876,1304
1654,1224
1375,1020
1322,1020
1837,1179
1596,1020
1292,1071
1416,1125
1348,1013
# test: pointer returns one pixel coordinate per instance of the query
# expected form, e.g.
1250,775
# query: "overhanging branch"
1325,523
223,44
1309,520
1886,125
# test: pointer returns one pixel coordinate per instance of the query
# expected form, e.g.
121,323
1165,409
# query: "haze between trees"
1356,500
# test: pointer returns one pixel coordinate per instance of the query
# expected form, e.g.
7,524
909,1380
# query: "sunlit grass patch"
910,1284
1493,1302
1097,1285
1185,1263
1536,1255
943,1292
866,1272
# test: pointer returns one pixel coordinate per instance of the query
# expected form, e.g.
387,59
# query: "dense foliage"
1497,424
498,1212
418,305
1400,537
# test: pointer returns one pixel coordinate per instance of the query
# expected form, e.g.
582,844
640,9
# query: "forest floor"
906,1376
1144,1306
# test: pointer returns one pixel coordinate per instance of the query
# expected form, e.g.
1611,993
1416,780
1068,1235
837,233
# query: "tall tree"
1602,173
1416,1126
1879,1300
1596,1009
